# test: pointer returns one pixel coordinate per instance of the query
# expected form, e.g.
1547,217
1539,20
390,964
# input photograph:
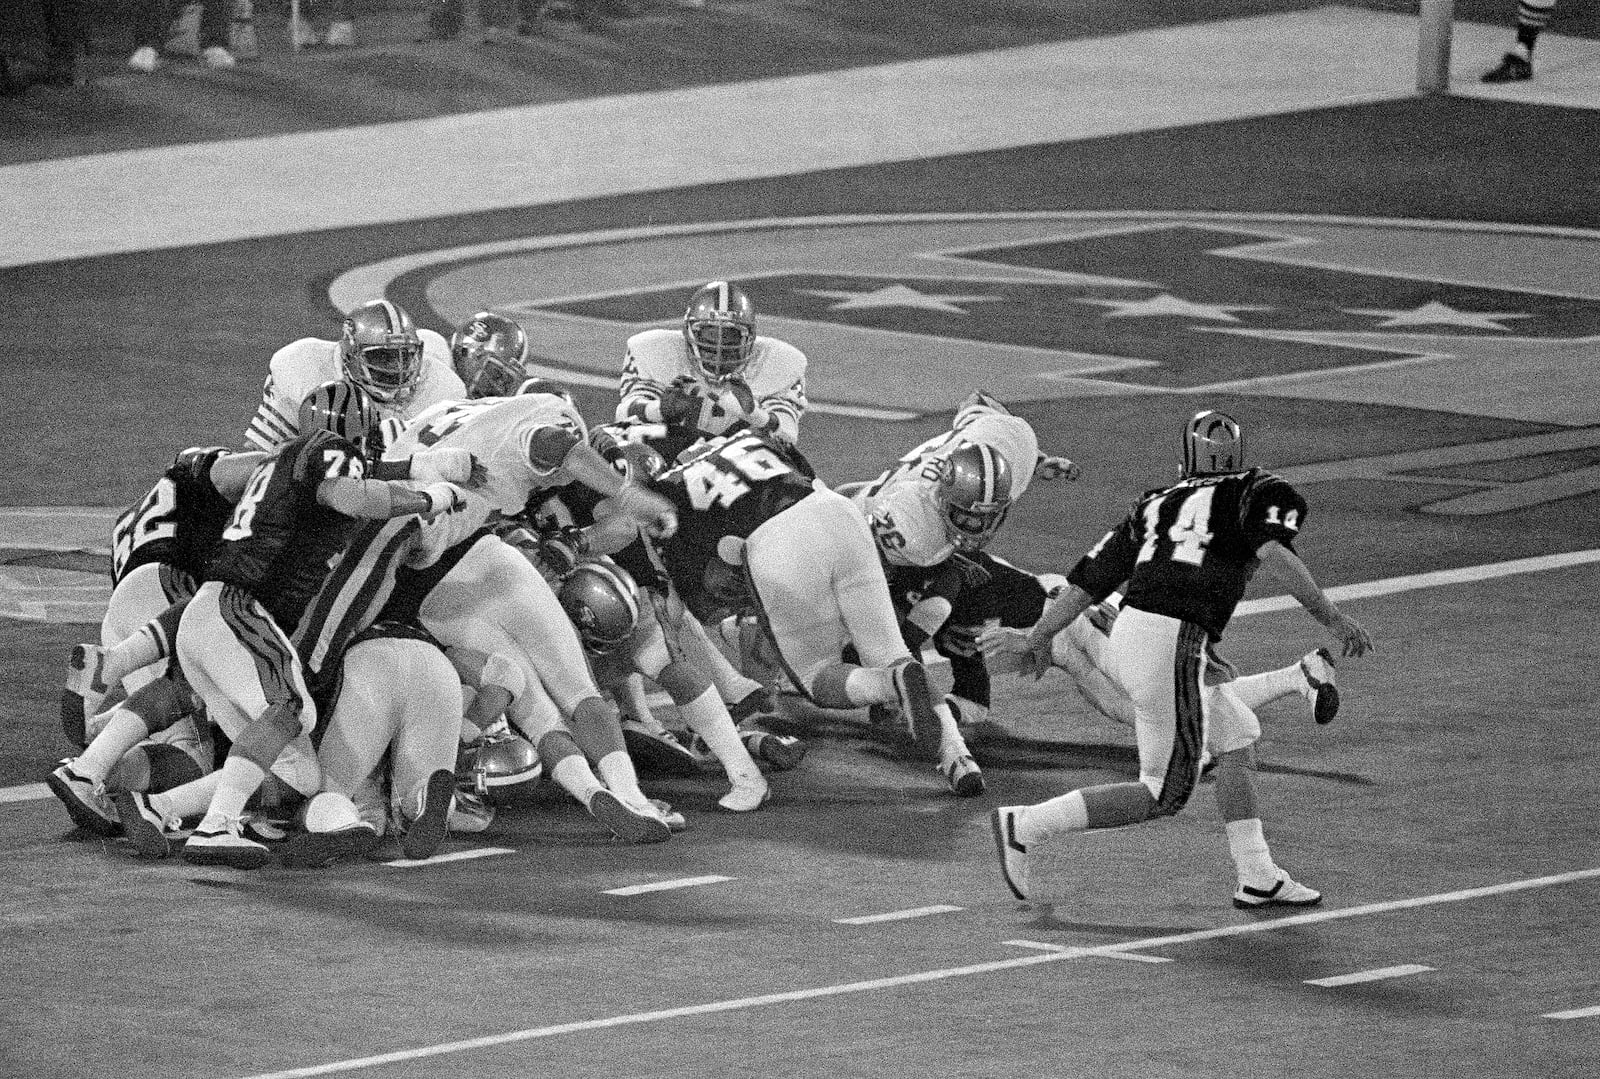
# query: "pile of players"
432,576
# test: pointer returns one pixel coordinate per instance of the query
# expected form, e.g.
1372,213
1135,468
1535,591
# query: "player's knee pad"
683,682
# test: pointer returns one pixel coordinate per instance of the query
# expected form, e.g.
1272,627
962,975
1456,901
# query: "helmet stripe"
392,314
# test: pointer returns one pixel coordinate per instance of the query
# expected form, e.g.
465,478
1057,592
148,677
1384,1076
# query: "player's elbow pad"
548,448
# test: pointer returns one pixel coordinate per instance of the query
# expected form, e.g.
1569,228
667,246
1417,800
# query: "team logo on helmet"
344,409
719,326
381,351
603,602
1213,443
974,490
489,352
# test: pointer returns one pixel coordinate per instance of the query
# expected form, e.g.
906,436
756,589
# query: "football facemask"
382,352
488,352
975,495
720,329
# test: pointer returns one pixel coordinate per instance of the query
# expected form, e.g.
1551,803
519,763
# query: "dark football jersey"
178,522
281,542
1188,551
729,486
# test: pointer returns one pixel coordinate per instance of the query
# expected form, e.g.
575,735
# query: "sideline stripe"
921,977
1464,575
899,915
665,885
454,856
1377,975
27,792
1575,1013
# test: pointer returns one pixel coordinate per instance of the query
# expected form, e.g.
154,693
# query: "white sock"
616,770
239,779
189,800
951,744
708,717
1257,689
576,778
131,654
1251,857
122,731
869,685
1065,813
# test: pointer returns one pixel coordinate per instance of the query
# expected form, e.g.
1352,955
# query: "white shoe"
145,59
225,846
747,796
674,820
341,35
218,58
305,37
1320,691
1287,892
85,800
631,824
963,775
1013,855
86,666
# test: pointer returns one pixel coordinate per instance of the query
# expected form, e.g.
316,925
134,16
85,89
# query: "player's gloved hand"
1354,640
1056,468
740,400
679,403
1009,650
653,513
443,498
960,640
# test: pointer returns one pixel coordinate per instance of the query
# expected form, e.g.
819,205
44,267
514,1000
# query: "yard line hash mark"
665,885
453,856
900,915
919,977
1378,975
1575,1013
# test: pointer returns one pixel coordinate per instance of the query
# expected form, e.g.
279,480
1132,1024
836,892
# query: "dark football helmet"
381,351
1213,443
343,408
974,491
603,603
720,328
488,352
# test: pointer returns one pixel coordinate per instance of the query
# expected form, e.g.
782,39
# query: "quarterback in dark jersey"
296,510
1185,553
755,528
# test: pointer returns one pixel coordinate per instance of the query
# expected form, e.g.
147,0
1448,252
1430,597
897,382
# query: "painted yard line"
665,885
1377,975
1391,585
918,978
453,856
27,792
1575,1013
900,915
1041,946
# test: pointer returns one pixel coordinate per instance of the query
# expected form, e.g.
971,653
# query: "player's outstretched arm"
1287,567
231,472
1032,650
652,512
379,500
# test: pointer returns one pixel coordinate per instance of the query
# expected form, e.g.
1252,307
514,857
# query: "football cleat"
1320,690
427,829
755,703
148,831
316,850
748,795
916,708
1512,68
86,801
225,846
676,821
963,775
628,823
658,752
1287,892
1013,855
781,751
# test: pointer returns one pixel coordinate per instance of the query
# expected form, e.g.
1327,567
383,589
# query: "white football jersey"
499,432
301,366
902,505
776,375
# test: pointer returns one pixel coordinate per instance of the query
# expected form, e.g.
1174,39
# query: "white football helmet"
974,491
720,328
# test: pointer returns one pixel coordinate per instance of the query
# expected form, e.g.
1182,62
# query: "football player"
489,353
295,513
626,637
758,531
715,373
1185,553
403,370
